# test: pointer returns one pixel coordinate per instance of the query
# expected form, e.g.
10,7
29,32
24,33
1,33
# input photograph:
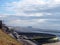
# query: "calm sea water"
55,33
49,32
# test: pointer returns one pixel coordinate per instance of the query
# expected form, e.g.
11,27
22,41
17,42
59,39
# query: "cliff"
5,39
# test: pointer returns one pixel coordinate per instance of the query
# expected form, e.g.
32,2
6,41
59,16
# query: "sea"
50,32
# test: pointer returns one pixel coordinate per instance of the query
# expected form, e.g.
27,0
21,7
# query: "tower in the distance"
29,26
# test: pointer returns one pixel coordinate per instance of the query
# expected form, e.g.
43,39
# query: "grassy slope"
5,39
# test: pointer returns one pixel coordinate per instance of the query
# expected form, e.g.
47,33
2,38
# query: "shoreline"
55,43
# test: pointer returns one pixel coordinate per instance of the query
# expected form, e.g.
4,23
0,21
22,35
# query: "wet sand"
56,43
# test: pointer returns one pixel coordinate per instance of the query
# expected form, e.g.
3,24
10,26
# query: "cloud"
3,16
42,13
19,22
20,7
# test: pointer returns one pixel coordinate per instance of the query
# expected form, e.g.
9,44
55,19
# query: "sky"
44,14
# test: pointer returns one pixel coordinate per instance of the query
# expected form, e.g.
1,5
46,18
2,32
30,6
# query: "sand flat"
57,43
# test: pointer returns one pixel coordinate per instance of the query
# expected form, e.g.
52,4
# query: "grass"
5,39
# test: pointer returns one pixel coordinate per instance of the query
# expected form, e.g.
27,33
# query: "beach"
56,43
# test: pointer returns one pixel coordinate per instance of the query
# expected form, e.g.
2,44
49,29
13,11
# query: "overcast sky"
43,14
